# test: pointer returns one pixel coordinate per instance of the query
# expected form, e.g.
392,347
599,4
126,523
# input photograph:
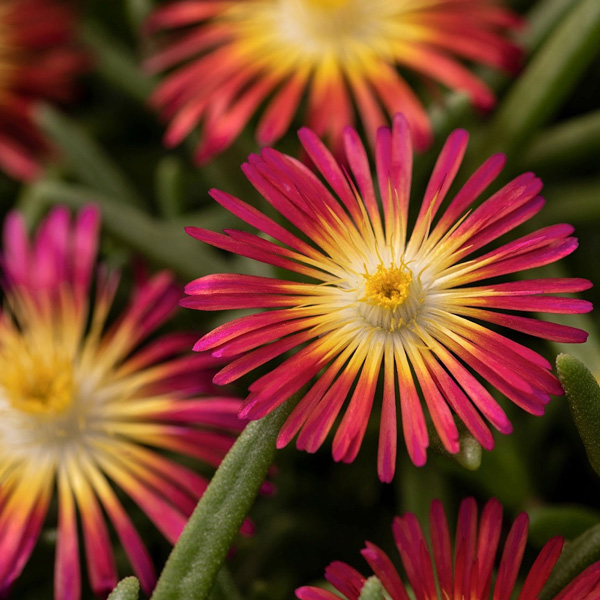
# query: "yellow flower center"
388,286
327,4
36,383
315,28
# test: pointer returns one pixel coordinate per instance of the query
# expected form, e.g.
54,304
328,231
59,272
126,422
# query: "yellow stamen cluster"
312,29
324,4
388,286
36,383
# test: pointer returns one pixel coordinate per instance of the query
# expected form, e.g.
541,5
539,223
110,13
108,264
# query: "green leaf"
568,521
224,587
117,64
84,156
542,19
372,589
198,556
565,145
583,394
164,244
575,202
127,589
549,78
170,187
138,11
576,556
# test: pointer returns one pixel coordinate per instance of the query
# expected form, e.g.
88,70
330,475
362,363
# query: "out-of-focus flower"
231,57
82,408
466,573
376,295
38,61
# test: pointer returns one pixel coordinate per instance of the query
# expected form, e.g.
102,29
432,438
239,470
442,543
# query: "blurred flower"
375,295
80,408
467,574
38,61
341,54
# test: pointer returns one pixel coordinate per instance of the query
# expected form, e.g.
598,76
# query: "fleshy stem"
583,395
194,563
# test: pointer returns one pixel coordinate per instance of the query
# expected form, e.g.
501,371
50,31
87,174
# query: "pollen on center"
325,4
39,386
388,286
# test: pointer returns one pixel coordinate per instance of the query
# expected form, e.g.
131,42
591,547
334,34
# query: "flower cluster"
380,297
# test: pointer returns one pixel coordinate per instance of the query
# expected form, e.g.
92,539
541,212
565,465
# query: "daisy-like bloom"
377,295
38,62
83,409
341,56
466,573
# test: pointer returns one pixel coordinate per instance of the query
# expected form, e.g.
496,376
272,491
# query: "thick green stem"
583,394
197,557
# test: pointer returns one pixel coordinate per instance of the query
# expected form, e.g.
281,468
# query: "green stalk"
197,557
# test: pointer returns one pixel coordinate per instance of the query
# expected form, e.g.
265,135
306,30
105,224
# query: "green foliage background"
548,120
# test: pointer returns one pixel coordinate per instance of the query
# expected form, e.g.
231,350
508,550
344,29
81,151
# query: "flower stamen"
38,385
388,286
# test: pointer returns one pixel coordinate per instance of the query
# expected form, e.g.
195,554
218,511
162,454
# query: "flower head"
83,409
231,57
378,295
466,573
38,62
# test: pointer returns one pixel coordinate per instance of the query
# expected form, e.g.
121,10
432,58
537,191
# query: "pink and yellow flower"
38,62
83,408
340,56
466,573
375,295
